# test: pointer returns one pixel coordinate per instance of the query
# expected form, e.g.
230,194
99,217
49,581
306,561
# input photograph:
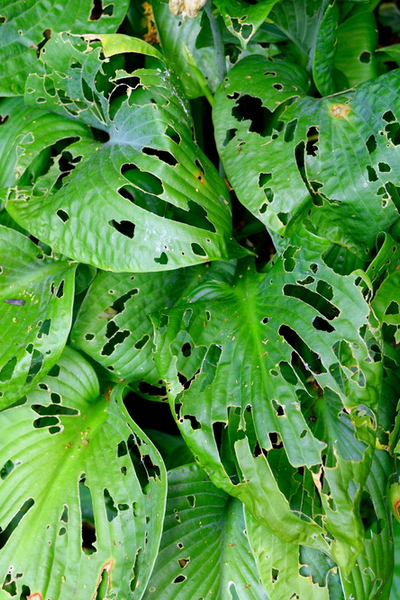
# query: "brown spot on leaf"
106,567
339,110
35,596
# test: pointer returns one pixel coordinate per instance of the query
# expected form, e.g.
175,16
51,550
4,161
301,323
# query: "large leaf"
336,155
280,358
26,26
204,550
36,296
71,455
147,199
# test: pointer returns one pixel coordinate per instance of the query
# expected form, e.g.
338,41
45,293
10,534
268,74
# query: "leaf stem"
218,41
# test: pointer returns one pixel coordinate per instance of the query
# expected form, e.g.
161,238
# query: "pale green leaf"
242,18
69,455
36,296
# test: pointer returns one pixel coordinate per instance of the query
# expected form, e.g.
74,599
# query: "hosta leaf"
283,356
26,26
36,296
112,327
70,455
154,201
371,577
242,18
357,40
336,155
174,32
204,551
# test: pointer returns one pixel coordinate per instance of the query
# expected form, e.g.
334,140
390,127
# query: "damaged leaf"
36,296
83,491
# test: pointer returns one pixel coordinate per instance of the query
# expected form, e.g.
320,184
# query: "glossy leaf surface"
156,202
74,462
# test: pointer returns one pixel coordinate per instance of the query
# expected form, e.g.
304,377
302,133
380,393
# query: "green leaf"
391,53
155,201
242,18
323,67
112,325
72,455
204,550
371,577
174,33
27,26
336,156
270,356
357,40
36,296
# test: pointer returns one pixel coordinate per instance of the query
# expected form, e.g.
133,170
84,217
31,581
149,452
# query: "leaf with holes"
81,483
155,201
204,550
242,18
283,359
26,27
112,327
300,152
36,296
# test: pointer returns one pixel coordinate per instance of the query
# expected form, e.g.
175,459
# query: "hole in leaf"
88,530
287,372
180,579
115,340
249,108
274,575
312,141
322,325
193,421
310,359
191,500
365,57
198,250
126,228
35,366
371,144
89,336
63,215
173,134
314,299
186,349
110,506
162,155
120,303
209,365
144,180
230,134
53,409
290,130
393,308
162,259
384,167
263,179
7,468
7,370
280,412
372,176
14,522
98,11
142,342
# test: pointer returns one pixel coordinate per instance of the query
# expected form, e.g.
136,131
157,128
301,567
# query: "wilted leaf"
281,358
338,156
204,550
36,296
83,492
155,202
25,28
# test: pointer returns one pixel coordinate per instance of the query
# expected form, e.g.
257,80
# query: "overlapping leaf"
242,18
204,550
65,452
154,202
280,358
36,296
336,155
26,26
